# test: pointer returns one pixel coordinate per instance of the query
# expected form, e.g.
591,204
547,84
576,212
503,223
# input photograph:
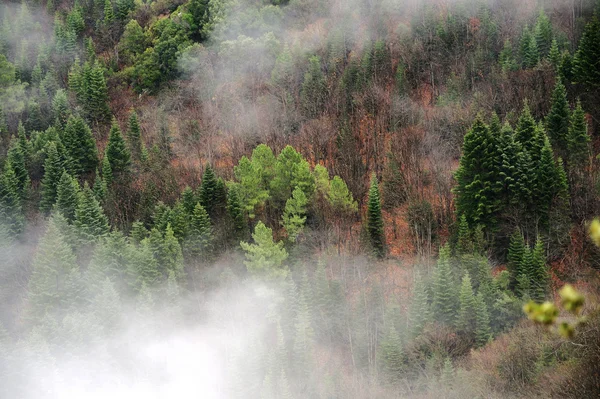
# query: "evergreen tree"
94,96
109,15
391,355
419,312
375,220
294,215
67,196
538,272
586,63
89,216
208,192
80,147
314,89
172,256
53,170
483,331
516,251
188,200
543,34
557,121
17,158
532,56
251,191
265,257
60,108
117,152
200,235
236,212
53,265
134,136
444,295
303,335
526,134
466,314
464,244
11,211
554,56
578,139
107,173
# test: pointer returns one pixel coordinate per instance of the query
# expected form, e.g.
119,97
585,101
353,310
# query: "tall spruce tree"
586,63
208,192
53,170
538,272
466,320
578,139
483,332
516,251
89,216
444,294
134,136
67,196
391,355
80,147
11,211
557,120
117,152
200,237
375,220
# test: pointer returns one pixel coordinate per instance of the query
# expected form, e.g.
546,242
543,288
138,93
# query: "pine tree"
265,257
53,264
188,200
586,63
134,136
17,157
250,187
109,16
466,315
557,121
172,256
294,215
107,173
391,355
578,139
314,89
80,147
95,93
60,108
67,196
464,244
200,236
208,192
236,212
303,337
444,295
532,56
543,34
554,56
11,211
375,220
89,216
516,251
53,170
117,152
419,312
538,272
483,332
526,133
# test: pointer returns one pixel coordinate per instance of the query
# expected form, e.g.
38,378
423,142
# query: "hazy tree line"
102,226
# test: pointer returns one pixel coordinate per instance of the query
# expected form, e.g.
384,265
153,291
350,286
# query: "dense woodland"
298,199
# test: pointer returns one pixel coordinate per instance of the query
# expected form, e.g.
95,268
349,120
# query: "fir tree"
578,139
419,312
89,216
586,63
444,295
208,192
554,56
134,136
17,158
464,244
265,257
172,256
11,211
538,272
67,196
117,152
107,173
236,212
543,34
391,355
314,89
483,331
466,315
80,147
188,200
557,121
516,251
53,170
200,235
375,220
60,108
95,93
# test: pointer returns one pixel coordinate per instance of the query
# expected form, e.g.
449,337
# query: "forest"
329,199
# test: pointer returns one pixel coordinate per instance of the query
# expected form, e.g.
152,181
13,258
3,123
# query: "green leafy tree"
265,257
375,220
89,216
67,196
53,170
80,147
117,152
294,214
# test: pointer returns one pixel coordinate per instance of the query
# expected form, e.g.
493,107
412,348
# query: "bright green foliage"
586,64
483,331
375,220
477,196
250,187
291,171
557,120
506,58
75,21
11,211
466,313
419,312
208,192
117,152
16,156
109,15
54,265
578,139
171,256
538,272
200,234
265,257
322,184
60,108
179,220
89,216
294,215
543,34
444,294
554,56
236,212
80,147
53,170
391,355
516,251
314,89
133,41
134,136
67,196
107,173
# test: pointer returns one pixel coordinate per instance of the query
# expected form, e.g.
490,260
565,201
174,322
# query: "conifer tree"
236,212
107,173
532,56
314,89
172,256
200,236
265,257
94,93
134,136
557,121
483,332
67,196
53,265
100,188
89,216
117,152
60,108
578,139
208,192
538,272
11,211
419,312
586,63
249,187
17,157
444,294
53,170
524,277
526,133
516,251
294,214
188,200
80,147
303,337
464,244
340,198
375,220
543,34
391,355
554,56
466,315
